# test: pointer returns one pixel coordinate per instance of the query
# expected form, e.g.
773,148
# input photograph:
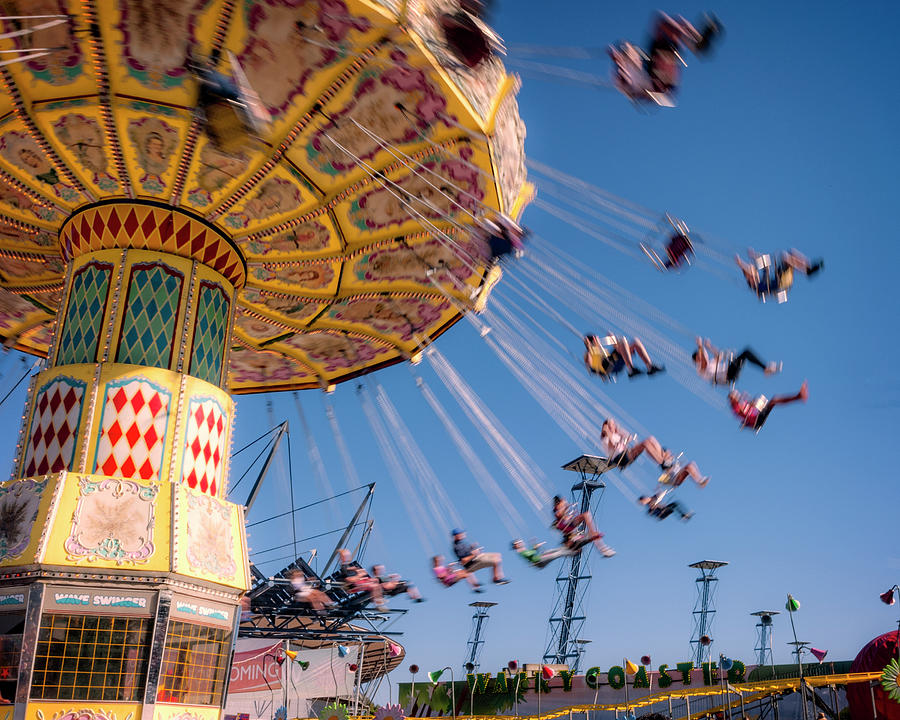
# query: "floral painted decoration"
889,679
390,712
333,712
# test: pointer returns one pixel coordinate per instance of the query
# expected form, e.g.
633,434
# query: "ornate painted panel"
113,521
84,314
204,446
20,505
54,427
210,536
132,429
210,329
148,329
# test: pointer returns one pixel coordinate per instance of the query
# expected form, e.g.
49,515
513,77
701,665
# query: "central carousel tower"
160,267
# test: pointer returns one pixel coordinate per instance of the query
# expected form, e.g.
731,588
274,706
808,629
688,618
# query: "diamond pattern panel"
150,228
208,348
133,430
148,330
84,315
204,450
54,427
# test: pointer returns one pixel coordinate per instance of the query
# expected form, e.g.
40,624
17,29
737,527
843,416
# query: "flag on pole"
630,667
547,672
791,605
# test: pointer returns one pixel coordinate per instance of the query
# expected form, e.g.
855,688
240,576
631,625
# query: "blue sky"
787,137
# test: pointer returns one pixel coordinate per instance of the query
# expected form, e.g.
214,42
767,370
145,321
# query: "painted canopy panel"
352,210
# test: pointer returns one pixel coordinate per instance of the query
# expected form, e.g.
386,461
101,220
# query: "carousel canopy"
344,222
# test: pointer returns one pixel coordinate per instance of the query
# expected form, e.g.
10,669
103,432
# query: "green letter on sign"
736,674
685,669
500,683
480,682
616,677
665,680
590,677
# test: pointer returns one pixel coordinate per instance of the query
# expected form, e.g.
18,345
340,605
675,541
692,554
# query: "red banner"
253,668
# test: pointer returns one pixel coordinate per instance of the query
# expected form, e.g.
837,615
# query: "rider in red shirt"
753,412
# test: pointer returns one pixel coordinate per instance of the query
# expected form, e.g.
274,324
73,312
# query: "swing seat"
232,112
680,250
669,249
465,38
772,282
601,357
491,278
668,475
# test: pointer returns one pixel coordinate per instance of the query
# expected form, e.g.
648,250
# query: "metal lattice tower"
475,642
764,634
704,609
567,616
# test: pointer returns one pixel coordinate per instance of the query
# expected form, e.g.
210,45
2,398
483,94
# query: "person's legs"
802,394
632,454
796,260
664,511
487,560
749,270
319,600
800,262
374,590
593,534
653,449
549,556
690,470
747,355
588,521
624,349
639,348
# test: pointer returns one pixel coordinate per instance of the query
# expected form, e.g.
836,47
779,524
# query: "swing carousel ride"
320,224
207,198
199,199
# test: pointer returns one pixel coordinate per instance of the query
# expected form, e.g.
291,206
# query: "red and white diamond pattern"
204,446
133,431
54,427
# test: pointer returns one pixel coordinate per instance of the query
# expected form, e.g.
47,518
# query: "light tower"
764,633
704,609
475,642
567,616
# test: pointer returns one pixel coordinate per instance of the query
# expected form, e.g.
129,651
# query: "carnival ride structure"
158,270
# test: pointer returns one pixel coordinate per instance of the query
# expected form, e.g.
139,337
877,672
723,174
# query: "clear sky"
786,138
